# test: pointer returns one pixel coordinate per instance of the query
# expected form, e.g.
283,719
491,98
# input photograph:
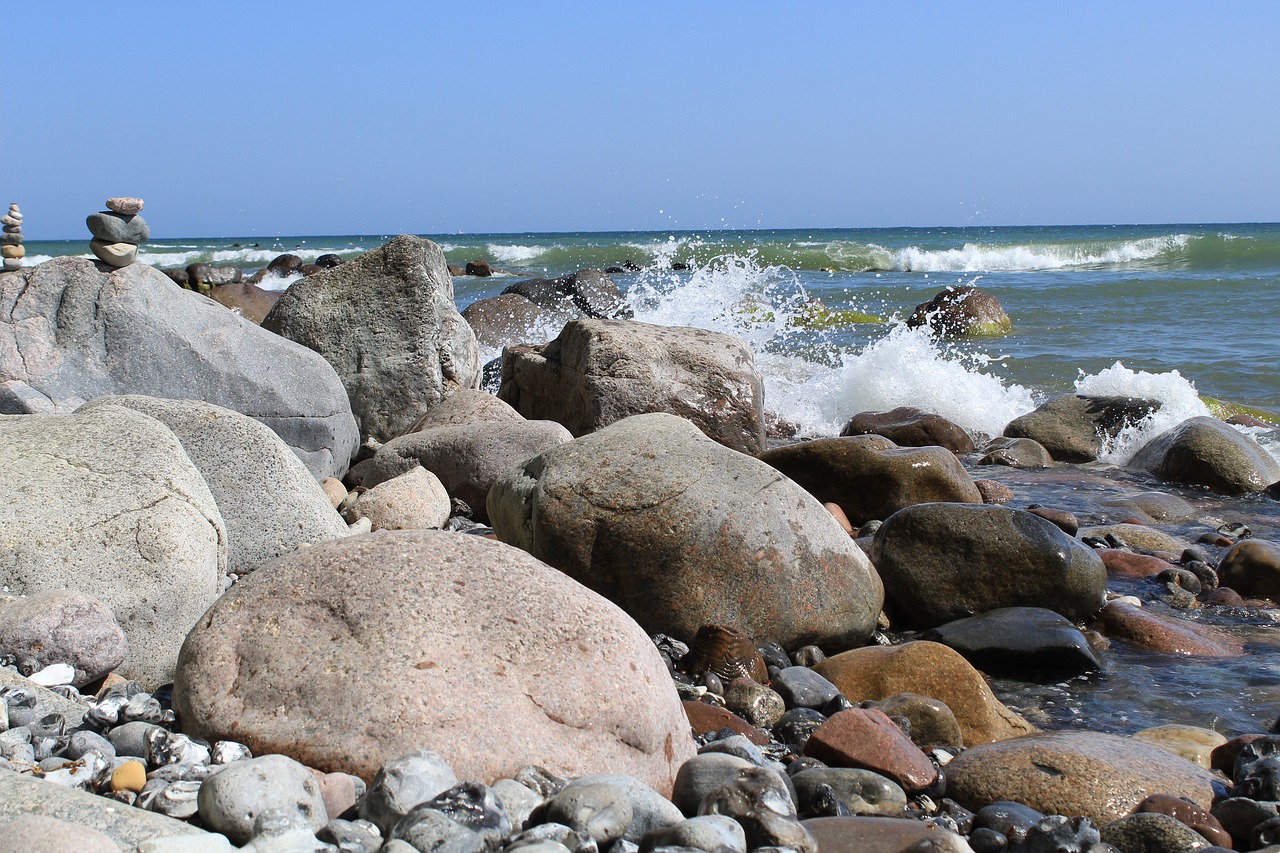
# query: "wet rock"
941,562
1158,506
1193,743
598,372
877,834
760,802
862,792
701,775
797,725
479,268
755,703
134,331
414,500
1126,564
1134,536
1149,832
1098,775
653,515
1072,427
510,319
269,501
959,312
910,427
100,496
386,321
1252,568
868,739
404,782
1015,453
801,687
1019,641
993,492
1065,521
1206,452
1188,814
1239,816
870,477
704,719
587,688
235,794
467,458
927,669
1153,632
932,722
64,626
202,277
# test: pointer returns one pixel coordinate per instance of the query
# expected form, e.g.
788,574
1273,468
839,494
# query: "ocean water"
1178,313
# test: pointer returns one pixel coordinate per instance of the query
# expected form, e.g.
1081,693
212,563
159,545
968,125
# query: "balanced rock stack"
117,231
11,242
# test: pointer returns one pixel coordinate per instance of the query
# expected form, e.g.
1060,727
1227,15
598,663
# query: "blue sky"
270,118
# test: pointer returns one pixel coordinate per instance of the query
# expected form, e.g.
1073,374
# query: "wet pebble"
758,705
861,792
761,803
351,836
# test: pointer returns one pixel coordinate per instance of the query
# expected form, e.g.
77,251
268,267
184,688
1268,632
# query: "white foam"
1178,398
978,257
275,281
514,254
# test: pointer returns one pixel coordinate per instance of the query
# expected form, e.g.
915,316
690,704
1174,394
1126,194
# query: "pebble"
711,833
351,836
129,776
601,811
761,803
758,705
126,205
234,795
114,254
862,792
801,687
403,783
701,775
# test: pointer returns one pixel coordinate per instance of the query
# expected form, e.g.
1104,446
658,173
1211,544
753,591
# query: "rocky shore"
283,578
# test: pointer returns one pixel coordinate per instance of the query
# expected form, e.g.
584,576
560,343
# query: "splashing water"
1178,398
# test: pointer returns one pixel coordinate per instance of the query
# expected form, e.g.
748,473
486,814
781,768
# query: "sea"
1188,314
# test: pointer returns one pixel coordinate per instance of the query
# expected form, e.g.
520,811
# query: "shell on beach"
728,653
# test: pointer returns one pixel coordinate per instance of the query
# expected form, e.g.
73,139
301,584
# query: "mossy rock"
990,330
815,315
1223,410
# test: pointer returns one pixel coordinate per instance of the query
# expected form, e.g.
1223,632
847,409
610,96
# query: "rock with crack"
108,503
72,330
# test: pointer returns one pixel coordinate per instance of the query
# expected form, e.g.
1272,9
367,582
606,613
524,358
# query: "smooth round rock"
755,703
711,833
36,833
114,254
1149,832
602,811
64,626
702,774
129,776
906,426
367,647
1193,743
869,740
404,782
415,500
464,406
932,722
1019,641
862,792
882,834
233,795
111,227
1100,776
1252,568
1016,453
800,686
1206,452
649,809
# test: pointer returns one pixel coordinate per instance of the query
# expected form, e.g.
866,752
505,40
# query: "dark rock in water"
110,227
910,427
932,723
179,276
479,268
1015,453
285,265
1252,568
870,477
456,269
202,276
1019,641
542,292
1206,452
310,269
1065,521
1071,427
963,311
941,562
664,522
328,261
1011,820
597,372
386,322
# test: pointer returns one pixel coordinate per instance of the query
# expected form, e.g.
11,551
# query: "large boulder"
907,426
108,503
925,669
941,562
681,532
870,477
364,649
963,311
1207,452
71,331
598,372
468,459
268,499
387,323
464,406
1072,427
510,318
1100,776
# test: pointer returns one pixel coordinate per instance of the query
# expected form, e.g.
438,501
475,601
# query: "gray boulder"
64,626
70,332
1072,427
233,795
468,459
269,501
35,833
387,323
510,318
365,648
942,562
682,532
1207,452
108,503
464,406
111,227
598,372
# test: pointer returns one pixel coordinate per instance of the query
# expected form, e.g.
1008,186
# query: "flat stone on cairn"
11,249
118,231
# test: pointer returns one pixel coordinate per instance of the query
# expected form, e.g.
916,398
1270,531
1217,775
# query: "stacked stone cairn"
117,231
11,242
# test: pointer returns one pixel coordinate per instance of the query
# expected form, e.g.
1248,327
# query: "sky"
283,118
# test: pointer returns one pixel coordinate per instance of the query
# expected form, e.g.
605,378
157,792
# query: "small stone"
130,776
861,792
11,220
114,254
868,739
234,795
13,252
403,783
716,833
54,675
754,702
178,799
994,492
1154,832
166,747
334,491
227,751
85,741
602,811
413,500
351,836
114,228
801,687
126,205
12,264
701,775
760,801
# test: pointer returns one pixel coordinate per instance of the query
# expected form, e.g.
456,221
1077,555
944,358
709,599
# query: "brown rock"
994,492
598,372
882,835
1159,506
362,649
1126,564
961,312
125,205
413,500
1015,453
510,319
1188,814
1193,743
871,477
928,669
334,491
248,300
838,514
1065,521
1100,776
1224,596
1206,452
1139,627
479,268
932,723
910,427
1224,757
464,406
1136,536
341,793
705,718
1252,568
869,740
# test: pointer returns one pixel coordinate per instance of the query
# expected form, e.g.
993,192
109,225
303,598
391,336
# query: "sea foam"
977,257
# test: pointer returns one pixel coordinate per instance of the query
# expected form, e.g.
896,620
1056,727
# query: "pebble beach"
627,543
